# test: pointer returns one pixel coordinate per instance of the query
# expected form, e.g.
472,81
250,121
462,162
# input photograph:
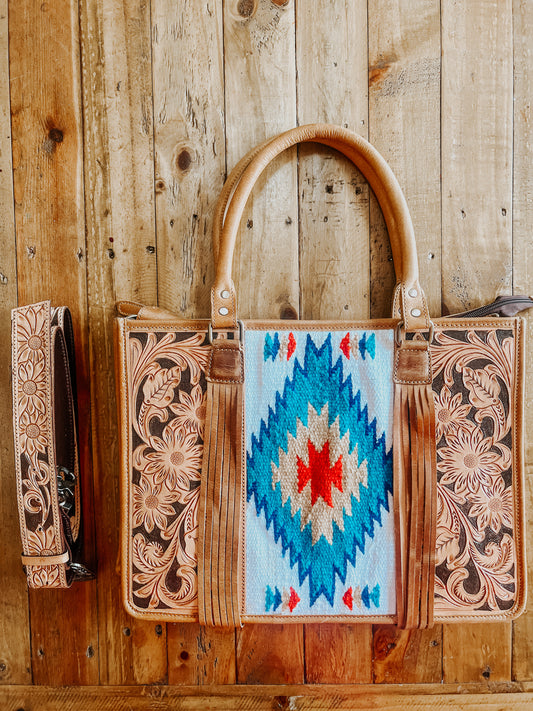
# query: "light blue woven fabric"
319,523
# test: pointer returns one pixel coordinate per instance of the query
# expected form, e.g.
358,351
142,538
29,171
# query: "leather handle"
382,181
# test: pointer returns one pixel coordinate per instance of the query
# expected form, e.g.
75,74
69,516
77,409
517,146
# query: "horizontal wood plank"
429,697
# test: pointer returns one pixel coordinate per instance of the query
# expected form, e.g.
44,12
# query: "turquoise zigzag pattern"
319,382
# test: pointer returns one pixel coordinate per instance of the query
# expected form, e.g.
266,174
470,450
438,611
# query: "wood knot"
55,135
288,313
160,185
280,3
184,160
184,157
246,8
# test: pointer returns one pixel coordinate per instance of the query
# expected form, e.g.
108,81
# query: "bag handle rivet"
413,293
414,312
224,294
223,311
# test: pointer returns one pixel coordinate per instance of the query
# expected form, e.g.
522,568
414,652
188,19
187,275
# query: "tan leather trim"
39,560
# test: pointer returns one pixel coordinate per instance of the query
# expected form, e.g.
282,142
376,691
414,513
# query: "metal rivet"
413,293
416,313
224,294
223,311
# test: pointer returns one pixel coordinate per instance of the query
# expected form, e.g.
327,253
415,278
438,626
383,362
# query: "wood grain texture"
338,654
15,665
49,218
523,284
477,149
188,93
407,657
334,231
260,100
270,654
429,697
120,217
404,125
197,655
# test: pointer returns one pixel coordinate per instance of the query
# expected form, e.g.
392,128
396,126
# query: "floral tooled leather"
36,485
167,400
476,560
476,553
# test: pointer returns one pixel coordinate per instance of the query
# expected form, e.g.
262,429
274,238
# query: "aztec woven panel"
319,525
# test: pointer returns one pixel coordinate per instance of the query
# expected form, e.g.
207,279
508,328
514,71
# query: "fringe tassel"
415,503
220,509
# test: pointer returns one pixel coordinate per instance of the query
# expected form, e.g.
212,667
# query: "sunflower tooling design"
319,523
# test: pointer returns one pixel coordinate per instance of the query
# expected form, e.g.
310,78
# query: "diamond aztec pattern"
318,471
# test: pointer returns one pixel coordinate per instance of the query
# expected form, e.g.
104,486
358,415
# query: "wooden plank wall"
118,123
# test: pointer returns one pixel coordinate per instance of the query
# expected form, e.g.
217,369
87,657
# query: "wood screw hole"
486,672
110,254
126,631
249,224
90,652
158,630
150,249
184,655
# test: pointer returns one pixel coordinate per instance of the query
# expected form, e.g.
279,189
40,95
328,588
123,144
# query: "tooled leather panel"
476,552
476,557
167,414
36,486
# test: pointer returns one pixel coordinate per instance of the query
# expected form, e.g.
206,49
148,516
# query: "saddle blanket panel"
319,519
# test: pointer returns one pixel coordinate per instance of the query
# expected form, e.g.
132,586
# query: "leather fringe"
221,492
415,501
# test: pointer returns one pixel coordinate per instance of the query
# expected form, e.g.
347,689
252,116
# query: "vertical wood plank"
188,95
404,121
407,657
332,87
49,217
404,125
117,104
260,100
197,655
523,284
270,654
338,653
477,145
15,664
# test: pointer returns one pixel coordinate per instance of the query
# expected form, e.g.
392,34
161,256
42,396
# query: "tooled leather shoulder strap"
46,445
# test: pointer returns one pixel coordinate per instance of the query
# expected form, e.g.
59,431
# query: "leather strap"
414,310
46,445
